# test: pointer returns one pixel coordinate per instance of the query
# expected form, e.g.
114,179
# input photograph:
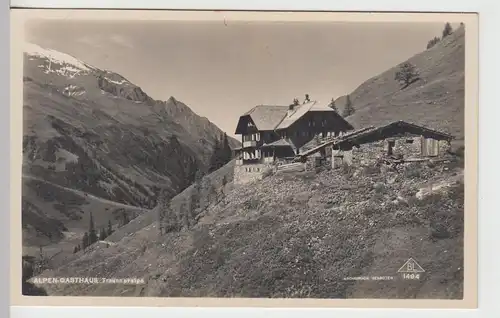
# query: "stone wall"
444,147
249,172
407,147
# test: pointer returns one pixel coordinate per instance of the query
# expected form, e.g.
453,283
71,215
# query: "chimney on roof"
307,100
291,107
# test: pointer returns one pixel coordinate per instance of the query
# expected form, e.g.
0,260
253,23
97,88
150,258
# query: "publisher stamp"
411,270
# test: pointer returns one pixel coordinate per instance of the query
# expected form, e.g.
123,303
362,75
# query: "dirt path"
84,194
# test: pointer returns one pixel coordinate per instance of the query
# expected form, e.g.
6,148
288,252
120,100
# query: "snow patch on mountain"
55,56
73,90
116,82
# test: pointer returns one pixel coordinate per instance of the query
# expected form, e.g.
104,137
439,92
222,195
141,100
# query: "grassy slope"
436,101
297,236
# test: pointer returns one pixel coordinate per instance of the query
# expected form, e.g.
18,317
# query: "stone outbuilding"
397,140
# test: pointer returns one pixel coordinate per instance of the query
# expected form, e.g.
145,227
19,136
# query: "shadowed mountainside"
92,130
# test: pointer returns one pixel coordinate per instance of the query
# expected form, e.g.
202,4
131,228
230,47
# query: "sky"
222,69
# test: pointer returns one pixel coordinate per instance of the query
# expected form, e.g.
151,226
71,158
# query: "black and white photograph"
240,159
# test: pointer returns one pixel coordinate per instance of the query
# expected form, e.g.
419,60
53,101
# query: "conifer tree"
214,157
110,228
162,212
124,217
226,151
102,235
184,213
195,199
333,106
212,193
433,42
224,182
92,231
85,240
447,30
348,109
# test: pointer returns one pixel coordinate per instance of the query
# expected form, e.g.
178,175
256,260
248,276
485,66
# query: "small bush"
347,170
439,231
370,210
431,165
380,188
378,197
306,175
267,172
252,204
413,171
458,152
370,170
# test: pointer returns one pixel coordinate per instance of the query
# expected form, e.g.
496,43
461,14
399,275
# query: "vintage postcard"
213,158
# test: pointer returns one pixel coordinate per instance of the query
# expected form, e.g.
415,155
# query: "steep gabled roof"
274,117
303,109
298,112
370,134
367,134
266,117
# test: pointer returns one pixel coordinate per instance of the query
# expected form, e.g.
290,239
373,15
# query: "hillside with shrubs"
304,234
296,235
434,97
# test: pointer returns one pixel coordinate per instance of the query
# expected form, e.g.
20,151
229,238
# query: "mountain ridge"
94,131
436,100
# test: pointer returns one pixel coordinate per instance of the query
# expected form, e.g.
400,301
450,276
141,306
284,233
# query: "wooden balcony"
268,159
249,144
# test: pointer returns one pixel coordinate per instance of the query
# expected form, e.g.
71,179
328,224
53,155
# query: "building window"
430,147
409,141
390,146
